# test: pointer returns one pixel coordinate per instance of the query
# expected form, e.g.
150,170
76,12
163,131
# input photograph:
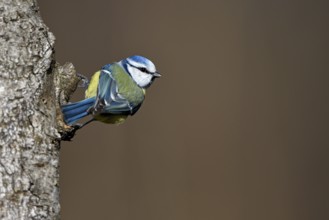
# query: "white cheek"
142,79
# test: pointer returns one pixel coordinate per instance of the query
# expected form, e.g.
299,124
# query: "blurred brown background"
237,127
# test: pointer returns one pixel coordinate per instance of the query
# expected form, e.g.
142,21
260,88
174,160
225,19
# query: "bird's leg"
84,79
87,122
70,134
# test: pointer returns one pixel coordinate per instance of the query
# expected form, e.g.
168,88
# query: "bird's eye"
143,69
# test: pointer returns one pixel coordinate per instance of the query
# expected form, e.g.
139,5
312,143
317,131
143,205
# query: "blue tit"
114,92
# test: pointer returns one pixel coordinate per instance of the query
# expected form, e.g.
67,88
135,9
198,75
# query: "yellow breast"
92,88
111,119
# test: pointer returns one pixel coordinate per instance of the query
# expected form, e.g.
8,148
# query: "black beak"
157,75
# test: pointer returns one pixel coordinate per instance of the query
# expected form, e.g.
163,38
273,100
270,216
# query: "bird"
114,92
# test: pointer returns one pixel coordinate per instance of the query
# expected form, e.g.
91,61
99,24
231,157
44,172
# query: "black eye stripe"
143,69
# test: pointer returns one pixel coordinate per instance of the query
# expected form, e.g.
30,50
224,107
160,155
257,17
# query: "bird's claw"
68,135
84,79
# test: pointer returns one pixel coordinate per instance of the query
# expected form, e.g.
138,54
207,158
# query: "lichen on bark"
32,85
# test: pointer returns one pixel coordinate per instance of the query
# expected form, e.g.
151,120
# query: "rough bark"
31,87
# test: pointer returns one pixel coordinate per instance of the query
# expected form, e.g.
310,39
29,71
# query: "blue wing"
109,101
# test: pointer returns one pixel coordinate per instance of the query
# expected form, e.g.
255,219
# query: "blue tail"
77,110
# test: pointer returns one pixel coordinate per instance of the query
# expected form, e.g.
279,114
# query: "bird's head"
141,70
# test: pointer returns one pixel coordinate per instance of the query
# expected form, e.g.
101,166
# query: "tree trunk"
31,87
